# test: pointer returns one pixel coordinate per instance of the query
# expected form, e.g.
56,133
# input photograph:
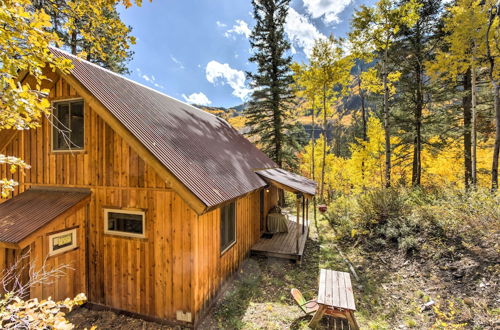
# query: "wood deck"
282,245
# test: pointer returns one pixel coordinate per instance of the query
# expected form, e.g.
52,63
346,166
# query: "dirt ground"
458,289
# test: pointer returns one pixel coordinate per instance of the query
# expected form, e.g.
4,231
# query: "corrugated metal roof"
289,179
31,210
203,151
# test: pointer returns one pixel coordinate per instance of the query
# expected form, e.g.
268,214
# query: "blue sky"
197,50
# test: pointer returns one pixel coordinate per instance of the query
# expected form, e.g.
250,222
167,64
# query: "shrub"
16,313
409,218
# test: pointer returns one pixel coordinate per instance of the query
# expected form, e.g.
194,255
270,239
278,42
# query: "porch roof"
289,181
29,211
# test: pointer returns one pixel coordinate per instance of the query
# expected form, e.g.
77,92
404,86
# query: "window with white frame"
68,126
62,241
124,222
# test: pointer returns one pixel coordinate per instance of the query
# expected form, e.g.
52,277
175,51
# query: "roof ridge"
131,80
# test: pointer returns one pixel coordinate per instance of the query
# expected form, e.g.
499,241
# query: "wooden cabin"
151,202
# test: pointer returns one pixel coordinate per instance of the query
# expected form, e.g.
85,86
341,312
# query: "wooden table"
335,297
277,223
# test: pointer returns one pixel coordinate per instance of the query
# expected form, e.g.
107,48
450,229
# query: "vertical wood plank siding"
177,266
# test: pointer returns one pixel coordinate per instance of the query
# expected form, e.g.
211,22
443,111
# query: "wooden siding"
75,280
212,268
151,275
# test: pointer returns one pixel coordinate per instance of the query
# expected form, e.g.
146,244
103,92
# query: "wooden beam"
191,199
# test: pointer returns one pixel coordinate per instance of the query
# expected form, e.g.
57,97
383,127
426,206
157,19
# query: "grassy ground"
393,291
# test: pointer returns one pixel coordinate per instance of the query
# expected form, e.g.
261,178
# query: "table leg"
317,316
352,321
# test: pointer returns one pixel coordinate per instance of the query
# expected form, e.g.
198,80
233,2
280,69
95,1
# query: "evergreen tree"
91,29
415,46
269,110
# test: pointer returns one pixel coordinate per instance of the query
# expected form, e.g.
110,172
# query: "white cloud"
301,32
241,27
145,77
197,98
216,71
220,24
329,10
158,86
176,61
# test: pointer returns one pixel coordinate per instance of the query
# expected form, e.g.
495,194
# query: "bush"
409,218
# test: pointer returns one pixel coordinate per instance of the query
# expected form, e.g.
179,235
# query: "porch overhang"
289,181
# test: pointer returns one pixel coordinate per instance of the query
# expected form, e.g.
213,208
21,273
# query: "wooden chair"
308,307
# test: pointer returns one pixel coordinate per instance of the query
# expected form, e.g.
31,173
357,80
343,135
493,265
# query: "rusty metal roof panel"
29,211
294,181
203,151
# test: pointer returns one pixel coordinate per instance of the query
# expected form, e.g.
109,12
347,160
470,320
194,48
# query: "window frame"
54,104
124,233
231,244
73,246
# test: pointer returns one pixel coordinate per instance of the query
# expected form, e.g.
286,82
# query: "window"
124,222
227,227
68,127
61,242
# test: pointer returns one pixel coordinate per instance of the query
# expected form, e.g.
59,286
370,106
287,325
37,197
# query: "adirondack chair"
308,307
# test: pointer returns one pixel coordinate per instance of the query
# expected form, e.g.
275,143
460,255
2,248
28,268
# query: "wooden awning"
289,181
29,211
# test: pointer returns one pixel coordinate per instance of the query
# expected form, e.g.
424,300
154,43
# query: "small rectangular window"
227,226
124,222
61,242
68,126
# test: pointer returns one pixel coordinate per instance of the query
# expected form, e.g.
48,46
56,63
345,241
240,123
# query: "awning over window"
29,211
289,181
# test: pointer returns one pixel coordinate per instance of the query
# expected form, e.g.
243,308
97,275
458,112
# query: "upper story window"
227,226
68,126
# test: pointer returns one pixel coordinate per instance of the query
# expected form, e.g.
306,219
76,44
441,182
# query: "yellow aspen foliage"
24,48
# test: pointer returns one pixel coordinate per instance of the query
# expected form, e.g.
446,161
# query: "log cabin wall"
178,265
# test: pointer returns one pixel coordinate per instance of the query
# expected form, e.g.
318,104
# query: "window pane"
124,222
227,226
68,129
61,126
77,126
62,241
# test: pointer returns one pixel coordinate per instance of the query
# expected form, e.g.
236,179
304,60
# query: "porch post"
297,225
307,215
303,213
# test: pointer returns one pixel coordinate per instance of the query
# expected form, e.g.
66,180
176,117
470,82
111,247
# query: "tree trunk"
386,123
322,191
467,105
73,44
496,148
473,128
364,121
313,165
494,12
417,144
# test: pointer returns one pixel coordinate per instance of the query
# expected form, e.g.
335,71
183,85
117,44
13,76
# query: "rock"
427,305
468,301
